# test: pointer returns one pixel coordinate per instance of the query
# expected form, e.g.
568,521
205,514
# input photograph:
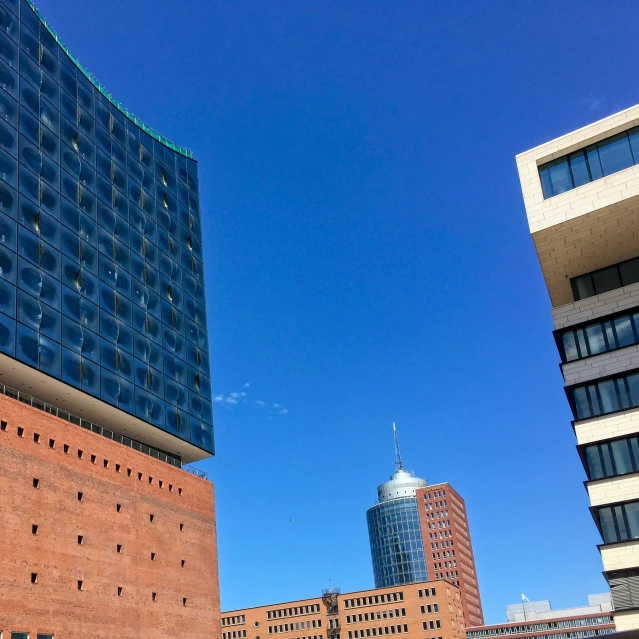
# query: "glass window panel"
595,465
8,23
633,135
593,397
633,385
49,356
606,280
610,336
594,162
621,455
9,49
126,399
624,395
623,328
606,520
90,377
68,81
615,154
27,345
579,168
8,232
7,324
570,345
8,168
629,272
632,514
71,334
8,139
634,447
110,391
582,343
8,79
621,523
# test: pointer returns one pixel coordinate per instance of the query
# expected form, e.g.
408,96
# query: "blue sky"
368,261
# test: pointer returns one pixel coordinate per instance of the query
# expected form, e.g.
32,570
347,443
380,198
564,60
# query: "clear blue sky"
368,260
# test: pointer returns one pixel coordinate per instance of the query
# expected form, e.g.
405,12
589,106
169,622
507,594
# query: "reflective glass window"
615,154
606,280
621,455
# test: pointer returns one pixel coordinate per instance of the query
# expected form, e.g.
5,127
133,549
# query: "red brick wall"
254,623
54,604
462,545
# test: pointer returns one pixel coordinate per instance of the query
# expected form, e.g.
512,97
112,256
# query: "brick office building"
447,544
104,371
431,610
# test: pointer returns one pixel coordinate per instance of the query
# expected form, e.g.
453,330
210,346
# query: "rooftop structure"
537,619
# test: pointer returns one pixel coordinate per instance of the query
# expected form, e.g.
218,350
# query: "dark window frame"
586,154
591,274
569,391
594,511
581,450
560,332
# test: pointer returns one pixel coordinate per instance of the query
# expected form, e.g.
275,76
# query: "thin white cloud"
236,397
594,102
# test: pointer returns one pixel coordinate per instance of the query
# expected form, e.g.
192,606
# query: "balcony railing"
95,428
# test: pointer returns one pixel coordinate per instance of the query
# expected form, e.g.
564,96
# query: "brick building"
105,393
99,538
431,610
447,544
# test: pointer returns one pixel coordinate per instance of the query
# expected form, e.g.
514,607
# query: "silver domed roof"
401,484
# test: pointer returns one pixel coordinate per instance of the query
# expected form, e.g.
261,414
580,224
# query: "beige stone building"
581,193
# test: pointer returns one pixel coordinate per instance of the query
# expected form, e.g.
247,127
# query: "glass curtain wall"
397,546
101,273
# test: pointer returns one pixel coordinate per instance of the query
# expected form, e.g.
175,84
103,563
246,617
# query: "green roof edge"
91,78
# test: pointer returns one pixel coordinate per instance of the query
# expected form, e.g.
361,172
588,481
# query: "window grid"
102,277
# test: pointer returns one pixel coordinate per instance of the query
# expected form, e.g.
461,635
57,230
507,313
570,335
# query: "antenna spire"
399,464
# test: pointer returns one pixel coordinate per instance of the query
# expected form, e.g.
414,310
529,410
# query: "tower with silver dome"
394,529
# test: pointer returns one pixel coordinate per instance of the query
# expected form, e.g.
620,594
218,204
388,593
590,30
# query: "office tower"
581,193
537,618
395,532
419,532
104,370
427,610
448,547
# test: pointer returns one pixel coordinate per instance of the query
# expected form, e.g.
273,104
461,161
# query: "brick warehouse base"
98,539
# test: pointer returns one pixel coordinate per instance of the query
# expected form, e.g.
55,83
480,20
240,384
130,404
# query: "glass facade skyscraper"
395,532
101,271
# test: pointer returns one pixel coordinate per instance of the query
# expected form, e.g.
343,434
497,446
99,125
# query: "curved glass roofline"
91,78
